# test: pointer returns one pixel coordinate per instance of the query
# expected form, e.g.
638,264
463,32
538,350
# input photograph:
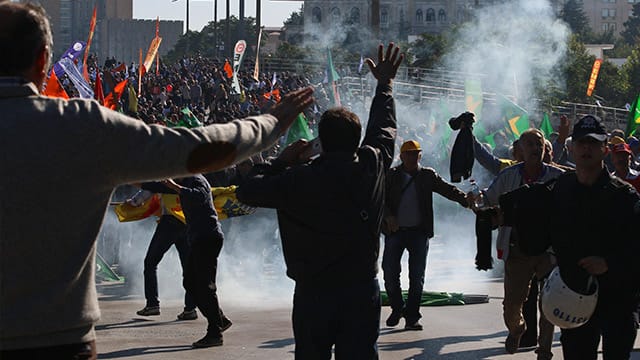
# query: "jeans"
170,231
416,242
347,316
200,279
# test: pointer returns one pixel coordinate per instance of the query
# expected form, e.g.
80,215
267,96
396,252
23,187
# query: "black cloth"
484,227
462,156
325,238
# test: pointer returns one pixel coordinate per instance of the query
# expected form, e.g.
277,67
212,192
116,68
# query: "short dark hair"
339,130
24,31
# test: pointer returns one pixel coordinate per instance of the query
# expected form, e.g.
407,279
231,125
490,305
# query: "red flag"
111,101
228,69
98,89
54,89
92,27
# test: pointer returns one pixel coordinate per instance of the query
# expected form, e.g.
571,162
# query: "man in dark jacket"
329,213
409,225
205,238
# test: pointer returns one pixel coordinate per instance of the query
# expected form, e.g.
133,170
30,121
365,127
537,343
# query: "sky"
201,11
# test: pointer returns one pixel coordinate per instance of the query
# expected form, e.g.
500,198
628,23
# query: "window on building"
612,13
442,15
431,15
335,15
316,15
612,26
384,16
419,16
355,15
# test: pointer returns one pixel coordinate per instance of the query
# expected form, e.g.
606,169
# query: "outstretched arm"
381,129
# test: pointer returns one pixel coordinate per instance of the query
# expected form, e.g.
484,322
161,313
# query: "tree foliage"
573,14
631,32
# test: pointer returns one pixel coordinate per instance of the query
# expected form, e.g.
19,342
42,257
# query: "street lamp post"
187,16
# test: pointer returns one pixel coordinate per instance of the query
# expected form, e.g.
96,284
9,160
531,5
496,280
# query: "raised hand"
388,64
291,105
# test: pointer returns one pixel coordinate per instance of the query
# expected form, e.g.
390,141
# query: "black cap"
589,125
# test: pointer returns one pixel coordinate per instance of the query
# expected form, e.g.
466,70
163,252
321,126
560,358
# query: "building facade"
116,33
414,17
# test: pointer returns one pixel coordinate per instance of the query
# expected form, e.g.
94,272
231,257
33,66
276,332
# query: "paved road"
262,327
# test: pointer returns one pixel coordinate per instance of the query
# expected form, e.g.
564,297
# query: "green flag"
104,271
473,97
332,77
299,130
545,126
189,119
516,118
634,118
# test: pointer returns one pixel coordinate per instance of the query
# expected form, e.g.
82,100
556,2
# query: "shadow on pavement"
144,351
277,344
133,323
432,348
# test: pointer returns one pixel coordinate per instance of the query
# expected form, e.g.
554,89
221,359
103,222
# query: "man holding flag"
49,303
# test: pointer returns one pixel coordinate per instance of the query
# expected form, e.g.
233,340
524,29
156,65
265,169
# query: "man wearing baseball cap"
621,156
589,239
408,224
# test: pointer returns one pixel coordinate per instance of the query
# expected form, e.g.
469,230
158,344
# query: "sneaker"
188,315
149,311
512,343
416,326
394,318
208,341
225,324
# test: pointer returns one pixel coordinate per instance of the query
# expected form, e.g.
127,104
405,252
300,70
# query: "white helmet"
564,307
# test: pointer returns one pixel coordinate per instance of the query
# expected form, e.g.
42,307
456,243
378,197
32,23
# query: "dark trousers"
200,279
82,351
345,316
416,243
170,231
614,323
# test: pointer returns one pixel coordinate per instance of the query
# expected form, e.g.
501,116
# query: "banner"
151,55
594,76
76,78
92,28
545,126
73,53
238,55
111,101
228,70
256,70
299,130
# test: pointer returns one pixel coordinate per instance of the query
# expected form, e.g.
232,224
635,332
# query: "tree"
577,71
573,14
631,33
631,74
428,49
194,42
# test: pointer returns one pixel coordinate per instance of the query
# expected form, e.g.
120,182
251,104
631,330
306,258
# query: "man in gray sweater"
48,300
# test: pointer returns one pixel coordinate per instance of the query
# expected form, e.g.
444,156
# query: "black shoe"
394,318
512,343
149,311
188,315
414,325
208,341
225,324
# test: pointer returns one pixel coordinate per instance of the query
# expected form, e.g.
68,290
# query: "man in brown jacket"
409,225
